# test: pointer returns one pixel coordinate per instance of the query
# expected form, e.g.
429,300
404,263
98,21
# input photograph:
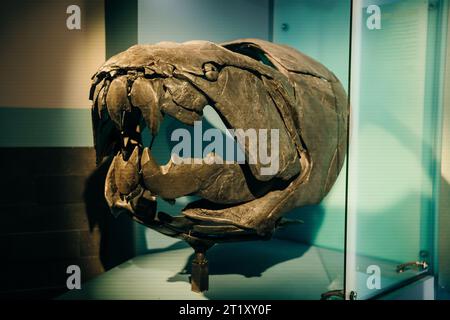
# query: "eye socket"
251,51
211,71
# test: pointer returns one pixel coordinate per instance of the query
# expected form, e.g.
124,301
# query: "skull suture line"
251,84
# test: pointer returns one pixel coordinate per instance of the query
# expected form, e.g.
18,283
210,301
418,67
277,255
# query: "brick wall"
52,215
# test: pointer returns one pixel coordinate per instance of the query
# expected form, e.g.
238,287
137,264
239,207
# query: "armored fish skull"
252,84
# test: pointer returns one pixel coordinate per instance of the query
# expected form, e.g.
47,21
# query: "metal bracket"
333,295
420,265
337,295
199,273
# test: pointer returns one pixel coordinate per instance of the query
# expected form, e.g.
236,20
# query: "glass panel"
394,121
320,29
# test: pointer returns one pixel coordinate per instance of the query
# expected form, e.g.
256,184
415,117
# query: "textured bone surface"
252,84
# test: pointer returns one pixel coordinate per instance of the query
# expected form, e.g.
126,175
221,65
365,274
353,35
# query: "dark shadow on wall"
117,243
121,24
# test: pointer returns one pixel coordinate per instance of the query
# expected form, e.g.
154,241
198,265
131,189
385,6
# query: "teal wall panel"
48,127
320,29
213,20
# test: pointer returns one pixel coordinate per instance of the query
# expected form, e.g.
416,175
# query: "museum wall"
46,146
48,68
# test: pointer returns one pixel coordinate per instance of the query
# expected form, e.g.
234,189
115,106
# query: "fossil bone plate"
251,83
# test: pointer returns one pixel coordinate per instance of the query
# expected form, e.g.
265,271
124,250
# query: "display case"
380,229
376,230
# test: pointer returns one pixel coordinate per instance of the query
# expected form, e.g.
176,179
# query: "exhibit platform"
275,269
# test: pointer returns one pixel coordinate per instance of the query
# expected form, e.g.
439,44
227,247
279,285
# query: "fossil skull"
251,84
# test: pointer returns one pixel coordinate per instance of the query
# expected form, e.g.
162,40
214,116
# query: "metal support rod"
199,274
